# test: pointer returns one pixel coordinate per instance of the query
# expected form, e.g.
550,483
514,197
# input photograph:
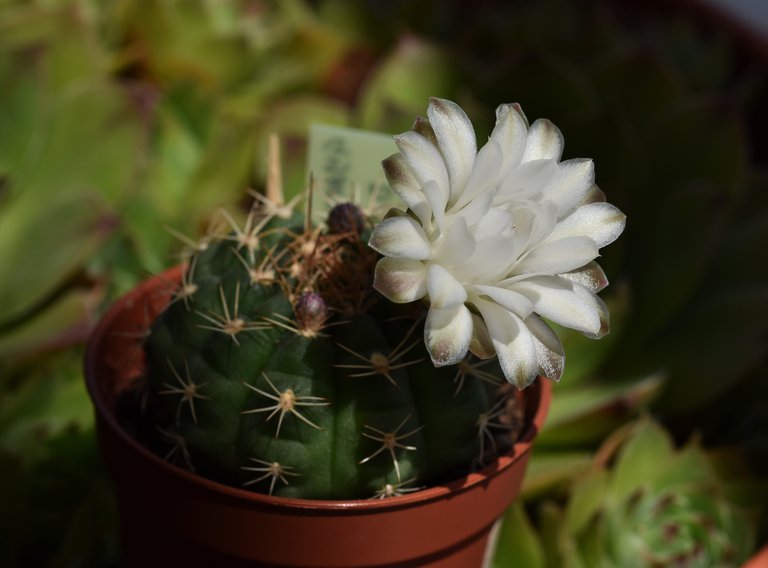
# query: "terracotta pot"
759,559
172,517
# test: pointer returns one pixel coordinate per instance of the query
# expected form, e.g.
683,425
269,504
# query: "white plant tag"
346,166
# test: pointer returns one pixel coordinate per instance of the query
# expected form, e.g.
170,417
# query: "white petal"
405,185
495,222
528,180
400,237
423,158
549,350
457,245
602,312
564,303
400,280
514,344
545,142
444,290
422,126
594,195
590,277
476,209
481,344
570,185
456,139
559,256
510,133
447,334
437,197
508,299
601,222
485,173
491,261
501,154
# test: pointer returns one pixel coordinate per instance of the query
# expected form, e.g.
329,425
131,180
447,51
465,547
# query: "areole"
170,516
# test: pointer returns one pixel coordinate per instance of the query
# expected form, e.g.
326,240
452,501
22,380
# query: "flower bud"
346,218
311,313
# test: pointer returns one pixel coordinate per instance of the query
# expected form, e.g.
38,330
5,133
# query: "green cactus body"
274,368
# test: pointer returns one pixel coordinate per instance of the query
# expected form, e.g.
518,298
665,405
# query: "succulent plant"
647,504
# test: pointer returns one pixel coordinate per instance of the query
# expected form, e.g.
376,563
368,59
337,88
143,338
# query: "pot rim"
538,395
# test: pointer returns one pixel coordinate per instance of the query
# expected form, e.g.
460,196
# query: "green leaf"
559,545
587,413
586,498
400,87
48,403
64,322
548,471
517,541
42,244
90,139
642,458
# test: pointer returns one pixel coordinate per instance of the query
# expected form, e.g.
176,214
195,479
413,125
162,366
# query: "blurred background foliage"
120,119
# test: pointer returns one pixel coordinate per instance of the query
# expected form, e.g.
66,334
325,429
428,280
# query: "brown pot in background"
172,517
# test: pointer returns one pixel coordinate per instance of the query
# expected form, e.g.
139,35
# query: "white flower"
495,240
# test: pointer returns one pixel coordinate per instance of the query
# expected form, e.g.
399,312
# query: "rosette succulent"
277,366
648,506
496,240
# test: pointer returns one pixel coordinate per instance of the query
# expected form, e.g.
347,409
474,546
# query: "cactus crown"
277,367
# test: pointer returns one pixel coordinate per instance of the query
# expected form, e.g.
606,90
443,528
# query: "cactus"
275,368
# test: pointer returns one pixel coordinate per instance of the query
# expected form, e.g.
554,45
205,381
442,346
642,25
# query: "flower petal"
457,245
400,280
564,303
510,133
495,222
514,344
456,139
423,158
485,173
528,180
422,126
558,256
500,154
447,334
590,277
444,290
481,344
476,209
508,299
549,350
405,185
594,195
401,237
490,262
545,142
570,185
437,197
601,222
